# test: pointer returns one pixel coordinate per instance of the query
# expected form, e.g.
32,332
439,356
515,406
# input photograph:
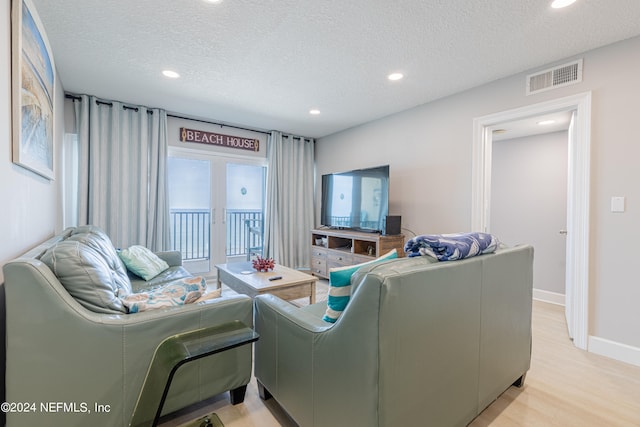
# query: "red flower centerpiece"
263,264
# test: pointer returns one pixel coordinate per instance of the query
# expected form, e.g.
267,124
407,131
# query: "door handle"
563,232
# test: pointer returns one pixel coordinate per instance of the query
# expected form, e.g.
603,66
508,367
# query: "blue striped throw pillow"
340,286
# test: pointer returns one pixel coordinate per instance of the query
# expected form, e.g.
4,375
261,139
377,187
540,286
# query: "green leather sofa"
420,343
75,366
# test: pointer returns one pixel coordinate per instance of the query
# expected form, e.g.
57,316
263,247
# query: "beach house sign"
212,138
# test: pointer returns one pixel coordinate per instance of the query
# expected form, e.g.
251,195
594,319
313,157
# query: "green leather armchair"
81,367
420,343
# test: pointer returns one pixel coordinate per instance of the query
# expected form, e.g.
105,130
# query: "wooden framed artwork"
33,90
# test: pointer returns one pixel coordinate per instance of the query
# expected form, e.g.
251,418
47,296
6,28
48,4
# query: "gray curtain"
122,182
289,215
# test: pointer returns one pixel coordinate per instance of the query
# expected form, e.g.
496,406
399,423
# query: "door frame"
578,196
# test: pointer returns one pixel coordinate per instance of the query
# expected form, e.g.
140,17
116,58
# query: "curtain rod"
125,107
78,98
217,124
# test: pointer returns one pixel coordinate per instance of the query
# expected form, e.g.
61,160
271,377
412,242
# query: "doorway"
577,245
216,209
529,195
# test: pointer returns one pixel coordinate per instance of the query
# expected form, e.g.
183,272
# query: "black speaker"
392,225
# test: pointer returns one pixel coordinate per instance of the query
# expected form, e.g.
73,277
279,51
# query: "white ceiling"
532,126
264,64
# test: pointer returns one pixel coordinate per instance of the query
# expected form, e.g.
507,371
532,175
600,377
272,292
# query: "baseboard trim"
548,296
615,350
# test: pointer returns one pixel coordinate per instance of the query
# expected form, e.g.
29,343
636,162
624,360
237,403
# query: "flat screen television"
357,199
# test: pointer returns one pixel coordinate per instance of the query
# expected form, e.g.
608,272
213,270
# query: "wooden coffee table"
242,278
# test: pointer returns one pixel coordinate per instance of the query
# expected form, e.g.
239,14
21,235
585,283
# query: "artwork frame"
33,91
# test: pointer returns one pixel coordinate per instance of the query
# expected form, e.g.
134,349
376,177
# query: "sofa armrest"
284,354
173,258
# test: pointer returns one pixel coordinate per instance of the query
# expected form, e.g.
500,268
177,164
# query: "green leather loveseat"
420,343
77,364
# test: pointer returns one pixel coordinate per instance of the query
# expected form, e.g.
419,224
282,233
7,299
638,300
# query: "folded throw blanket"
451,247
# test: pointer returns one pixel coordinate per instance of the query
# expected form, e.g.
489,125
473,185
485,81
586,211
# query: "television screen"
357,199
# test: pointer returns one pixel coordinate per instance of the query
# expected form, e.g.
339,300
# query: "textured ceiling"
265,64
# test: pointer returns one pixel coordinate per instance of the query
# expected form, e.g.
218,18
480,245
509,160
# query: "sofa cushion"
138,284
340,286
179,292
86,275
98,240
142,262
317,310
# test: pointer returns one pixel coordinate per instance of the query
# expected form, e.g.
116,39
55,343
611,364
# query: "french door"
217,209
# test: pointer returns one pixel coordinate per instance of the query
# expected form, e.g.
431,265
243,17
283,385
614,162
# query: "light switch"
617,204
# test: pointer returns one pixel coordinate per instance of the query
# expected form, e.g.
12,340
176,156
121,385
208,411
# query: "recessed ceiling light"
170,74
395,76
546,122
559,4
213,1
315,112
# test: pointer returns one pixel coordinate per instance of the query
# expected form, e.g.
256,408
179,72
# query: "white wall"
30,211
529,201
429,152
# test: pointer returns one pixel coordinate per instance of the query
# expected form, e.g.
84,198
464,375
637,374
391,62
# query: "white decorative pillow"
142,261
179,292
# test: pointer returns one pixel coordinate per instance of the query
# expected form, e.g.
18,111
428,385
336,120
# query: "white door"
569,280
191,209
212,201
244,210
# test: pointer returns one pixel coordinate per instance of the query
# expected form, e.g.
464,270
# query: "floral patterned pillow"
179,292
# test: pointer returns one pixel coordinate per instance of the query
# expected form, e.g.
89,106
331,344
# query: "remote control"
275,278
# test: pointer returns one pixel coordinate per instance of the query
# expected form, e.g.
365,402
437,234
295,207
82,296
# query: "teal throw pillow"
340,286
141,261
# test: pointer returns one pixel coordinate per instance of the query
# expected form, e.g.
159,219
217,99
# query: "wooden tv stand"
338,248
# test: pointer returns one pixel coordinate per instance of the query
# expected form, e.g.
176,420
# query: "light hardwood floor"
565,387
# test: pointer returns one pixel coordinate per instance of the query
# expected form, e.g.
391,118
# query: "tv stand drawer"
317,252
340,248
339,258
319,266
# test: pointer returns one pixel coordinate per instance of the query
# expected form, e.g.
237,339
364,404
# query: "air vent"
562,75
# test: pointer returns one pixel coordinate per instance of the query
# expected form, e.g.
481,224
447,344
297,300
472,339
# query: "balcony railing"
240,239
191,231
348,221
